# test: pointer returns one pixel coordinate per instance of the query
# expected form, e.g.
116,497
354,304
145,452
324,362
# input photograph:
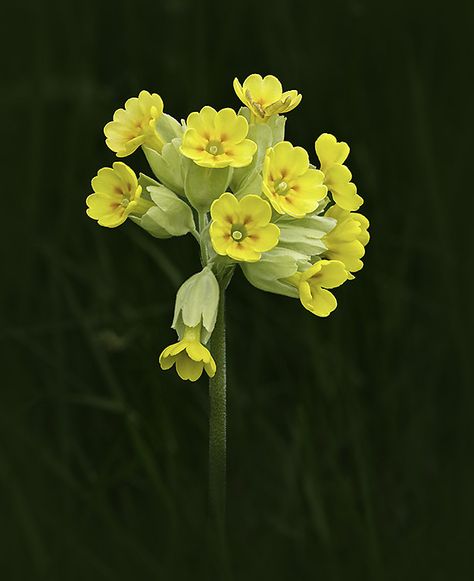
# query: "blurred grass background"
350,439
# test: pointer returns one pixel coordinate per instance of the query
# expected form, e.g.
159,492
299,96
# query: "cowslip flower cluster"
249,197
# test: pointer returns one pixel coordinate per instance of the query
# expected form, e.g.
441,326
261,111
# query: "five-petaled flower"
289,183
312,285
189,355
346,241
135,125
241,229
337,176
218,139
116,195
265,97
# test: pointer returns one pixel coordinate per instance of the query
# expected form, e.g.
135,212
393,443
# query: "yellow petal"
193,143
263,239
321,302
203,121
240,154
220,237
253,84
332,274
210,367
126,175
254,211
230,126
243,251
100,205
345,195
293,98
297,206
239,91
187,368
271,90
225,209
329,151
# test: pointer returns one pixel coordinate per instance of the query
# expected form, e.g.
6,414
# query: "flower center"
124,202
214,147
239,232
281,188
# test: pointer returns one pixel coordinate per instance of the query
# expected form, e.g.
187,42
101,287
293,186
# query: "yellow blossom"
241,229
218,139
312,285
346,241
116,195
265,97
189,355
289,183
135,125
337,176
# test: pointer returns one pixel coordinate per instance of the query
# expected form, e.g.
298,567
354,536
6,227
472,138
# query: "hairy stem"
217,420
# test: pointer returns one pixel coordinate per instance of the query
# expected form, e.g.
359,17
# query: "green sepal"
169,165
277,125
270,272
203,185
196,304
305,235
262,135
168,128
170,216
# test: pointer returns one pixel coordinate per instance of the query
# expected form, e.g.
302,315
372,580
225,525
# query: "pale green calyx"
270,272
168,128
203,185
169,216
305,235
168,166
196,304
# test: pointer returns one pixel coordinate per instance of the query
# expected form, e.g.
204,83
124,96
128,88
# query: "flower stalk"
218,419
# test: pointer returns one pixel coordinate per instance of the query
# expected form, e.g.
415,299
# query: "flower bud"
169,216
196,304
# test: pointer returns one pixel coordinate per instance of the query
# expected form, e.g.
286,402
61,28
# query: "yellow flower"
218,139
337,176
312,286
265,97
135,125
289,183
346,241
116,195
189,355
241,229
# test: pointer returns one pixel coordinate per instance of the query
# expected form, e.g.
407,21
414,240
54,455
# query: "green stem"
202,223
217,420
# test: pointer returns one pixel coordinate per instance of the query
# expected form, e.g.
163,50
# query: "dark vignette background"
350,449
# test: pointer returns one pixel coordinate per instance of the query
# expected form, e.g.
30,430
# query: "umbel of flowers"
249,197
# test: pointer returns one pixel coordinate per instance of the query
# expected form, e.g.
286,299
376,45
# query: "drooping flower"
218,139
189,355
241,229
289,183
117,194
312,285
346,241
337,176
135,125
265,97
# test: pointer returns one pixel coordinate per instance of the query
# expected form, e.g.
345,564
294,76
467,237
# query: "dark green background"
350,439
